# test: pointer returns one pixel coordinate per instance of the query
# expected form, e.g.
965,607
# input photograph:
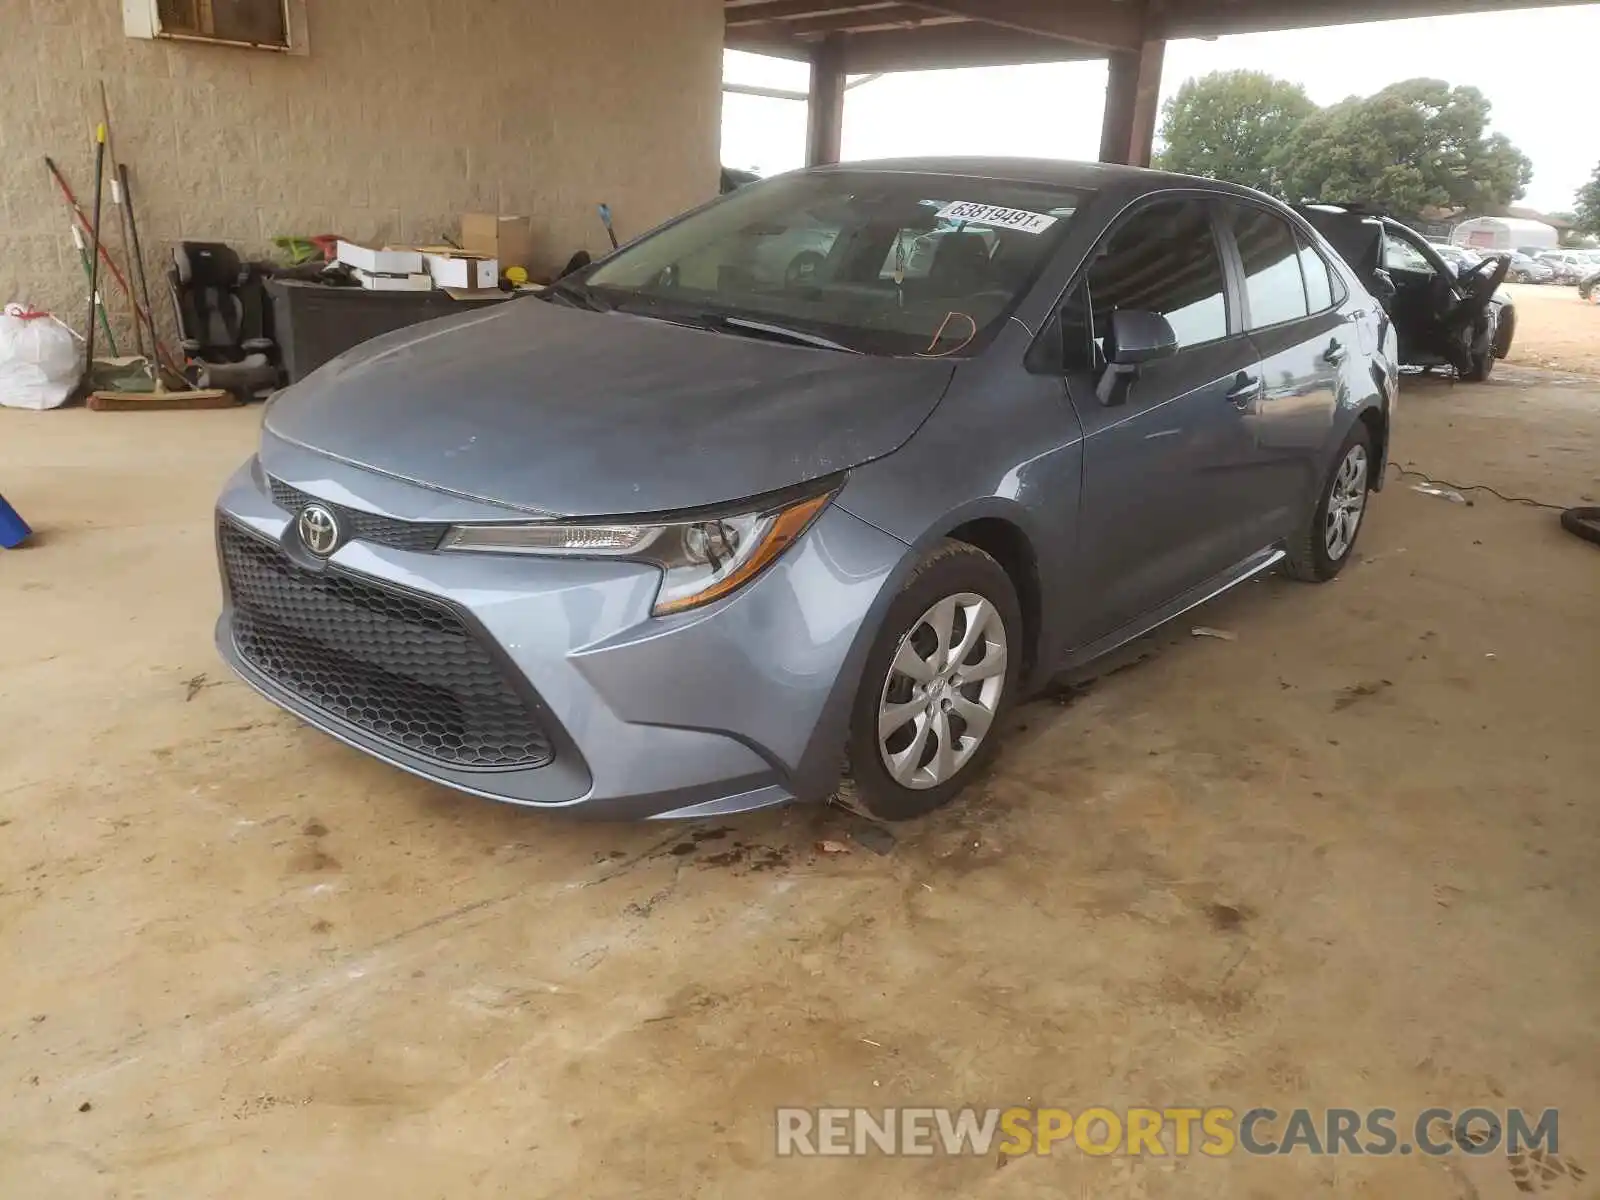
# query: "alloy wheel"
943,689
1347,501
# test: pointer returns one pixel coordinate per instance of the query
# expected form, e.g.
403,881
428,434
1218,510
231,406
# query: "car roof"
1049,172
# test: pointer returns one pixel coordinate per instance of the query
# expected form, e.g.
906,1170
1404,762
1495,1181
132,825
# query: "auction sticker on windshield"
1001,218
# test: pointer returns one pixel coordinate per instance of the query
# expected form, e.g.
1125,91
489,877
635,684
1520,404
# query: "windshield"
879,262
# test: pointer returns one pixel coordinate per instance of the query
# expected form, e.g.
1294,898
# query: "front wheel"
939,677
1322,547
1481,367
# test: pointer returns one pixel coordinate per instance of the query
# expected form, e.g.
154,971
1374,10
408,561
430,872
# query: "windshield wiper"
577,295
780,333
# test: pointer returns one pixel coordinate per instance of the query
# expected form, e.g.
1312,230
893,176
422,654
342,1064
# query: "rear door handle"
1335,354
1246,388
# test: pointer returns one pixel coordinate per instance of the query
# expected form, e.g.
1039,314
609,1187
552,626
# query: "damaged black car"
1459,319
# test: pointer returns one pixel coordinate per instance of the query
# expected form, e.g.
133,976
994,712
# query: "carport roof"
903,35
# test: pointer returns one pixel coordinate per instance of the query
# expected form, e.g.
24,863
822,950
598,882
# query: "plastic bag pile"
40,359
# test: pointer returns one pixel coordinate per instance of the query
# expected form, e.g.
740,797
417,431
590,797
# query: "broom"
160,398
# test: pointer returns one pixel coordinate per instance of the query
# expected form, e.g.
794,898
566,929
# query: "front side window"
1163,260
1399,255
1271,256
882,262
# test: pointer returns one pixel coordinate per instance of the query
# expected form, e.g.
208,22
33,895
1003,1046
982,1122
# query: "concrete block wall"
404,114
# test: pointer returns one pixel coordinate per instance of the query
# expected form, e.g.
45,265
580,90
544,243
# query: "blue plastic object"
13,529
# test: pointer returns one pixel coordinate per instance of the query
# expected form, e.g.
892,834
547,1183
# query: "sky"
1530,64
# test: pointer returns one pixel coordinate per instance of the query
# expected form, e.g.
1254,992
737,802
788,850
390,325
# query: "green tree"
1415,145
1588,209
1226,125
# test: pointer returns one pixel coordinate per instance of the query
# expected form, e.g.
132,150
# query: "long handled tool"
94,237
194,397
136,252
88,274
72,202
122,214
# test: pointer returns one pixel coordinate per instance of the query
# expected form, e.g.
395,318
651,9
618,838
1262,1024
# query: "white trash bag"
40,359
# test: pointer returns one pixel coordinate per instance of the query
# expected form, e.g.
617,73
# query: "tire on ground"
1309,559
948,569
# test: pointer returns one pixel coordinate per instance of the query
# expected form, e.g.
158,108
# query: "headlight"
700,561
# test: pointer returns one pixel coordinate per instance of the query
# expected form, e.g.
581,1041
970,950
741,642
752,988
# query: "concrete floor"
1347,859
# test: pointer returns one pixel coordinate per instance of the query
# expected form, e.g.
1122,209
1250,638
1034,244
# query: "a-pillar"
825,109
1133,93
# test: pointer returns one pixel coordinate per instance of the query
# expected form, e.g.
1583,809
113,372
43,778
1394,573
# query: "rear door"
1293,315
1162,499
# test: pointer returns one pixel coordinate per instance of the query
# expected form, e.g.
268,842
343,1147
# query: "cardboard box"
453,269
380,262
507,240
380,282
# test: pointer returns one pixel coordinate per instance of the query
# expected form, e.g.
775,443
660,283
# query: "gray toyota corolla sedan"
834,469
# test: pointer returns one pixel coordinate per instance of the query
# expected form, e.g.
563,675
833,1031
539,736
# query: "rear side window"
1319,279
1271,256
1163,260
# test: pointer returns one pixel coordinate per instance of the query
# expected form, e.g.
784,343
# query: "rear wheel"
938,679
1326,543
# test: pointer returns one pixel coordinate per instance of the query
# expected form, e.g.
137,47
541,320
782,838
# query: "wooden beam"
1211,18
762,40
867,20
788,10
1104,24
769,93
974,44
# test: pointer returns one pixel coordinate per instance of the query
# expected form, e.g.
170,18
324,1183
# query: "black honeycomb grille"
397,666
364,526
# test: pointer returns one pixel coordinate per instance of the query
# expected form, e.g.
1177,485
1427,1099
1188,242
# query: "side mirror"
1134,339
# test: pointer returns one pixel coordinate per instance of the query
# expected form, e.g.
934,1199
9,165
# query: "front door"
1164,506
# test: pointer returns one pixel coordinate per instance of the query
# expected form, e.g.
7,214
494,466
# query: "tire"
1519,277
1314,554
1482,366
1505,334
1584,522
961,583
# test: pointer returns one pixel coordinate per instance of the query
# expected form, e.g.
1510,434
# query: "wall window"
1271,256
1163,260
264,24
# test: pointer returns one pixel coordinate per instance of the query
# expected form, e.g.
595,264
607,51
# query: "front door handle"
1335,353
1246,390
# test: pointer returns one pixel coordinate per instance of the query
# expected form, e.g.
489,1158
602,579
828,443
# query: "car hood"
570,412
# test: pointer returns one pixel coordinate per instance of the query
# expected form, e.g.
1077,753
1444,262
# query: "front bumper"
736,706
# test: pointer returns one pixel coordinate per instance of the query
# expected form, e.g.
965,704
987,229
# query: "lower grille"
400,667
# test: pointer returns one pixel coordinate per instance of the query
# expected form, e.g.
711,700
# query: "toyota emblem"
319,529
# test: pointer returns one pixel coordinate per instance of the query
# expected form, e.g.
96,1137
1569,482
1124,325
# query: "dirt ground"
1346,860
1555,329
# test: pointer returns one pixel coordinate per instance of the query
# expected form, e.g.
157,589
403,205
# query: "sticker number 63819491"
1001,218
